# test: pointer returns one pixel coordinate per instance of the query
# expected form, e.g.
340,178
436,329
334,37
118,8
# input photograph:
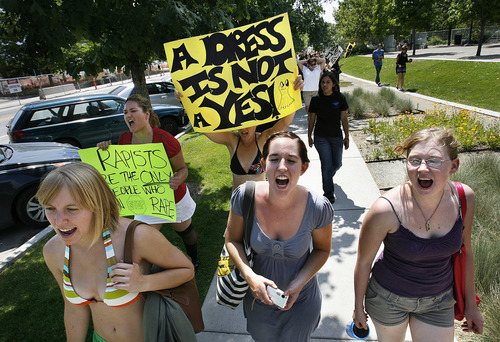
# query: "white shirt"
311,78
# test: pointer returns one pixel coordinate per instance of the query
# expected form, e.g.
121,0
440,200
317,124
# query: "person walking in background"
327,113
289,219
84,257
401,60
377,57
312,73
421,225
143,124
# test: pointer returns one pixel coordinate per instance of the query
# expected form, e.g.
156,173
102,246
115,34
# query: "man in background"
377,57
312,74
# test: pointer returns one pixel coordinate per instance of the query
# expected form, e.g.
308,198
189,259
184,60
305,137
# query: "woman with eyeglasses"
421,226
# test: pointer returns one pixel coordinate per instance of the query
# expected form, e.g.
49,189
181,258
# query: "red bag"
459,260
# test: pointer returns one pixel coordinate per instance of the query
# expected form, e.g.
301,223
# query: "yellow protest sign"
236,78
138,175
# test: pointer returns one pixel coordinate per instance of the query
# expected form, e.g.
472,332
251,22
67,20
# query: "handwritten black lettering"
181,54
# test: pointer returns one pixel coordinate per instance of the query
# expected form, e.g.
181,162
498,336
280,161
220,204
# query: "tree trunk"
481,36
470,32
138,77
414,41
449,35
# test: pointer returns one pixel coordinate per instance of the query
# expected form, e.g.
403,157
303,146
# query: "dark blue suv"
82,121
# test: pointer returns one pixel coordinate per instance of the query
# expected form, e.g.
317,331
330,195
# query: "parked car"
22,166
82,121
160,92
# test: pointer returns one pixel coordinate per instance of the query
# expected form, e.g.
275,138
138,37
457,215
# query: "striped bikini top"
112,296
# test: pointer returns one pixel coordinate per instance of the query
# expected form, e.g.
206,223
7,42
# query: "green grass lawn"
475,84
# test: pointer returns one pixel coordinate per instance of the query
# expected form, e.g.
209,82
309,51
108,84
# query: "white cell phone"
277,296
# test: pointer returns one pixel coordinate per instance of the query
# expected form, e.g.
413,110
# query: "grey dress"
281,261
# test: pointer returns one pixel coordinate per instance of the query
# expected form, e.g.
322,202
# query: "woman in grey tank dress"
288,217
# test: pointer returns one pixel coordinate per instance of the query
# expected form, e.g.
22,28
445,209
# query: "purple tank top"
412,266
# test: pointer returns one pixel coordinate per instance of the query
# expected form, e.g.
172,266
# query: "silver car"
160,92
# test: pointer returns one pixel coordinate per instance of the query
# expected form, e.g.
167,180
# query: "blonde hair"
145,105
444,136
89,189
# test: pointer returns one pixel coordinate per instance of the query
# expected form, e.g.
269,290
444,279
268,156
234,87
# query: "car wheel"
69,141
29,210
169,125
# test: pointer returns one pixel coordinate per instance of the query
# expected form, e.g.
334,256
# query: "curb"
28,245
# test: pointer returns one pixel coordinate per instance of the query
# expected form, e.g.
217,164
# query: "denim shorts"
400,70
388,308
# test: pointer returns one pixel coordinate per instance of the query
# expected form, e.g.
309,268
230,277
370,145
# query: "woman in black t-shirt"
327,115
401,61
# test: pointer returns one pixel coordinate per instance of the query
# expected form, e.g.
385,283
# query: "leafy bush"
436,40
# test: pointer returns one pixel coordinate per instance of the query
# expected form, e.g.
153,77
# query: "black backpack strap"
248,211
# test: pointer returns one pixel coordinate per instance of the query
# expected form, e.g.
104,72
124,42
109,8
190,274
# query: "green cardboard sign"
139,177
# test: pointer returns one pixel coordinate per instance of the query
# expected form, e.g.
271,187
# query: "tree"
89,35
484,11
353,20
27,29
413,14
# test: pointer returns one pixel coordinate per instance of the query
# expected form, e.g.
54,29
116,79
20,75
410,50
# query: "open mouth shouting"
425,183
130,123
67,232
282,182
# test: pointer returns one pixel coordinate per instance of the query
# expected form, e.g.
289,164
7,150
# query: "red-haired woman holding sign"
143,124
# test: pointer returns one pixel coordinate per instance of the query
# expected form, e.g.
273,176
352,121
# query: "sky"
328,6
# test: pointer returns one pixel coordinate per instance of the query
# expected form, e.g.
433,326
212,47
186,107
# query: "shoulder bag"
186,295
231,285
459,260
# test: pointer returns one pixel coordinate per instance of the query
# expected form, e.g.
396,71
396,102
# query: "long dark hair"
333,77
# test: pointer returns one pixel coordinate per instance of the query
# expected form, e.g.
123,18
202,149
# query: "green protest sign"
139,177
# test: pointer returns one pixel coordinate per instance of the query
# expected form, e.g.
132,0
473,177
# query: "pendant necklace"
427,221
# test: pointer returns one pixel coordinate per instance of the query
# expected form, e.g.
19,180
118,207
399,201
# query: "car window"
153,88
117,91
110,107
84,110
48,116
165,88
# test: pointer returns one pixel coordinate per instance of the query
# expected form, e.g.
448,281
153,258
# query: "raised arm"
301,64
322,62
